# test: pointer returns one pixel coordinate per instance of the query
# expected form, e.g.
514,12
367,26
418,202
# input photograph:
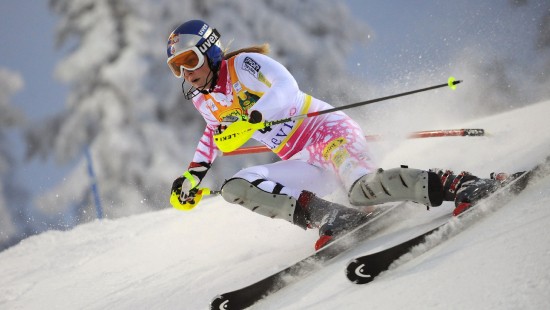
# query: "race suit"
317,152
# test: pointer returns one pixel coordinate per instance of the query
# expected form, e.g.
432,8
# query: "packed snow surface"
182,260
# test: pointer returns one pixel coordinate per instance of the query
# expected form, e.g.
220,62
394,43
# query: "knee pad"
397,184
246,194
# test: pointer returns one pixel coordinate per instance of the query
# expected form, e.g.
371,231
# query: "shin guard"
280,206
397,184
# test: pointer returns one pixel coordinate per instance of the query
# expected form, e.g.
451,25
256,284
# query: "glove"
255,117
185,187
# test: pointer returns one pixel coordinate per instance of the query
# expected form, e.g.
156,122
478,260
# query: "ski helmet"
189,43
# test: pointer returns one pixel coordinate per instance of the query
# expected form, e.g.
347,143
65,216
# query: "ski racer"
318,154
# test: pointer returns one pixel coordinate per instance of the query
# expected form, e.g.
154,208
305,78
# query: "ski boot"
332,219
466,189
475,190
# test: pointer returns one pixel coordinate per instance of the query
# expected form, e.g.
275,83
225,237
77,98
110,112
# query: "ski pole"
239,132
415,135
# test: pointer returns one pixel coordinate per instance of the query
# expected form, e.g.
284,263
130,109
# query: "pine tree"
13,205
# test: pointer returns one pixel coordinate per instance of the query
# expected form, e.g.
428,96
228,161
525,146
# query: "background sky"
27,34
427,35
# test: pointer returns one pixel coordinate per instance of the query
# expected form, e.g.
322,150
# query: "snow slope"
176,260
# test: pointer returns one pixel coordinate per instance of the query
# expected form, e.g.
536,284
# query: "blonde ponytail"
262,49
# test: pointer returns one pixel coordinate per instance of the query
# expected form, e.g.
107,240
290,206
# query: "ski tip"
356,273
220,302
452,82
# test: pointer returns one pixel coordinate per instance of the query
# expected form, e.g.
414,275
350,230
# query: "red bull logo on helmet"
172,40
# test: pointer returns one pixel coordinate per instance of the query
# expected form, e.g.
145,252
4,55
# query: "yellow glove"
189,204
185,192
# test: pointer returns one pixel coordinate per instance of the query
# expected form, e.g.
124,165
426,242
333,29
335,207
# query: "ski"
247,296
366,268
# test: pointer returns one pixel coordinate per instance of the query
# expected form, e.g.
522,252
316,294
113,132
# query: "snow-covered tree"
12,194
125,105
543,47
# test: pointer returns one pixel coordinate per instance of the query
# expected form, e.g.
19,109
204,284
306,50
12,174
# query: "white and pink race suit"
317,153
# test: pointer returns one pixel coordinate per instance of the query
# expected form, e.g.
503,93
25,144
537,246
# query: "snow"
181,260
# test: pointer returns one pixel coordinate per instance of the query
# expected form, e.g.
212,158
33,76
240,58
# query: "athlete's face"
198,78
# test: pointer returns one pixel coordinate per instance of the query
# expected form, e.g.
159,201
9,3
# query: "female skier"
318,154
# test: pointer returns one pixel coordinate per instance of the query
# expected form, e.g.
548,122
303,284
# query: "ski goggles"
189,59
